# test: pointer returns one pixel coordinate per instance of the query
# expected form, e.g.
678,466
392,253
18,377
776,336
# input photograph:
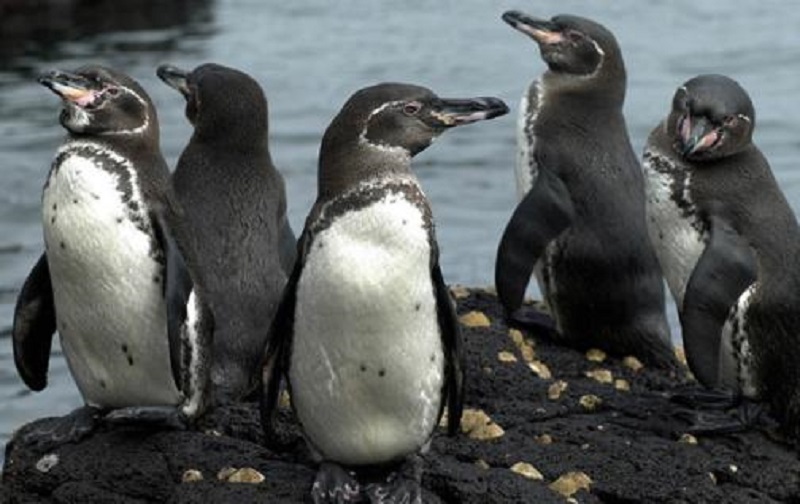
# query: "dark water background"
311,55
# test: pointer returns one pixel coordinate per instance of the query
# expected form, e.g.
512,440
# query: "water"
311,56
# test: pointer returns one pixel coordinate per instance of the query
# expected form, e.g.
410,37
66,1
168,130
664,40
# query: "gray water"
311,55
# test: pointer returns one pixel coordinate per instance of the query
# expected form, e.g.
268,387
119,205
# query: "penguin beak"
175,78
696,135
448,113
544,32
70,87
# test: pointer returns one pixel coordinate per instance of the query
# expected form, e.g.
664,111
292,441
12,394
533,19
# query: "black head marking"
381,127
224,104
580,53
712,117
101,101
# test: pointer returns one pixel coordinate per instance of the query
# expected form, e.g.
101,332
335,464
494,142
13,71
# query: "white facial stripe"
389,149
146,120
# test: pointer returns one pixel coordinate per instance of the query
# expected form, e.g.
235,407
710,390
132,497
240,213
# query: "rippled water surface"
311,55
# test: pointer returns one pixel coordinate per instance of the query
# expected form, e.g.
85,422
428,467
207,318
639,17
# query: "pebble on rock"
600,375
595,355
541,370
475,319
476,424
632,363
527,470
590,402
555,390
570,483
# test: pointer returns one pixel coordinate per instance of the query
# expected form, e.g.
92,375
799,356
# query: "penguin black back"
235,206
581,221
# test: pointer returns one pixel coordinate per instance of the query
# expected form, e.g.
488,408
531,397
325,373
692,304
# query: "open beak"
455,112
697,134
544,32
70,87
174,77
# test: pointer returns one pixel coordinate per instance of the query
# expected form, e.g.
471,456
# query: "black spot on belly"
55,206
433,358
125,348
63,245
405,222
417,306
134,206
102,384
119,220
75,201
382,373
95,196
156,279
53,219
130,360
363,367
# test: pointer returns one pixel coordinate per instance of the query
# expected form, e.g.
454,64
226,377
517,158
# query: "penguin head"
404,119
380,128
223,104
101,101
578,51
711,117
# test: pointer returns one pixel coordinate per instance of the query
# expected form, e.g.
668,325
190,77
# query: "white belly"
367,362
678,244
735,359
526,170
107,289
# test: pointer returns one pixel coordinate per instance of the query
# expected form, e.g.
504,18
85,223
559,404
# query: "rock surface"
610,435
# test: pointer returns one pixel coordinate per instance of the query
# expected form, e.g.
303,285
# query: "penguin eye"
412,108
574,36
112,91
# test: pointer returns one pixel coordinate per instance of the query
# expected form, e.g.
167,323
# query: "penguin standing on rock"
729,244
234,205
366,332
115,280
581,220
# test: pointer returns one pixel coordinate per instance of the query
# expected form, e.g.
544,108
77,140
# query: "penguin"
366,332
234,203
580,223
729,244
114,280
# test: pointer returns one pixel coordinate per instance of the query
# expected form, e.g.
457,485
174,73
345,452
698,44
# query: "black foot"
53,432
707,399
534,320
718,412
167,417
335,485
399,488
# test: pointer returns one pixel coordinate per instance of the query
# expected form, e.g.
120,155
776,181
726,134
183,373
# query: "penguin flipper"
190,322
34,326
542,215
453,347
287,247
276,358
726,268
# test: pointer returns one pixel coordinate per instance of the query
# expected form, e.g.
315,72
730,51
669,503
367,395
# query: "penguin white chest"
671,223
367,363
526,169
107,284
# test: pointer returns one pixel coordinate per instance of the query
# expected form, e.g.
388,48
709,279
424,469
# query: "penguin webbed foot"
55,432
334,484
167,417
721,412
536,321
403,486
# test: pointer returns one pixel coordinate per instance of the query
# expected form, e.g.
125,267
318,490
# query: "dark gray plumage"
581,219
235,209
729,244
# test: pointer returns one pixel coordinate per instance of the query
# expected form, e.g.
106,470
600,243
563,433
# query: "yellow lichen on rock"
555,390
595,355
632,363
191,475
570,483
527,470
516,336
284,399
482,464
505,356
687,438
541,370
459,291
475,319
590,402
621,384
476,424
543,439
600,375
243,475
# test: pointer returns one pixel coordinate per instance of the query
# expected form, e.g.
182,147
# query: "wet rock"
629,447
